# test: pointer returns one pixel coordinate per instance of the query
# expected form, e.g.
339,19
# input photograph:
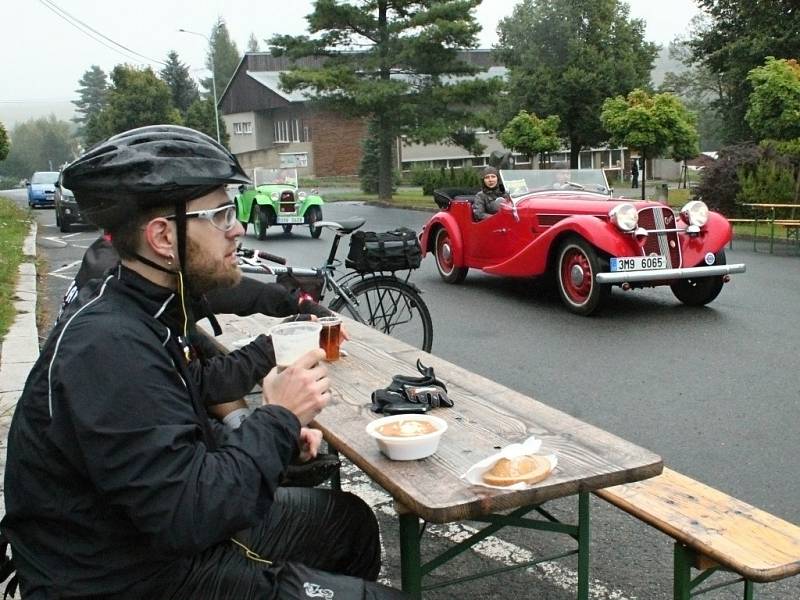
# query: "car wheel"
239,214
263,220
64,226
287,228
314,215
576,267
701,290
444,259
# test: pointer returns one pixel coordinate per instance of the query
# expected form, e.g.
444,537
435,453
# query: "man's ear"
160,238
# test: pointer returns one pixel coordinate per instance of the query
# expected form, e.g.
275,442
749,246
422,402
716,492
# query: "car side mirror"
57,184
27,183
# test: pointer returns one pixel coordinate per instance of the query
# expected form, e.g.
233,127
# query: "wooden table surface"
486,416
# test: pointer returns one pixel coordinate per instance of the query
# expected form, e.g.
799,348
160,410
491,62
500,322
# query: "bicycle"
380,299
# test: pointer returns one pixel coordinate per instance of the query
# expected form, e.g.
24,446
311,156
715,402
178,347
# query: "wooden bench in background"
712,531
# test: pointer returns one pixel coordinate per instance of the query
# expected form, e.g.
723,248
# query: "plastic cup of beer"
330,336
291,340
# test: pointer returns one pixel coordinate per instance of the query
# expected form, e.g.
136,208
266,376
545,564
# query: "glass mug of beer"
330,336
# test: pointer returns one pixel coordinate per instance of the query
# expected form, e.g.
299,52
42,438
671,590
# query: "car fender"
715,235
310,201
446,221
534,258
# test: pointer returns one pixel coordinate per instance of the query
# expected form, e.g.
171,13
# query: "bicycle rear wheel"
391,306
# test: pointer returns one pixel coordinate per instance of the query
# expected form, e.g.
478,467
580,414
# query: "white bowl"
411,447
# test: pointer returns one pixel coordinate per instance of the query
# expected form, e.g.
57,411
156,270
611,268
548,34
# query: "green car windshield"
523,182
275,177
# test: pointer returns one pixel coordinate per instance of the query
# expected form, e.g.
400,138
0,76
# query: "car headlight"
695,213
274,196
301,195
625,216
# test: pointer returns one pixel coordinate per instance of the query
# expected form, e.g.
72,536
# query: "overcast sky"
43,56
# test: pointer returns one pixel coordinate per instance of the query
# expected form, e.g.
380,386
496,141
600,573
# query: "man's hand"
303,387
310,439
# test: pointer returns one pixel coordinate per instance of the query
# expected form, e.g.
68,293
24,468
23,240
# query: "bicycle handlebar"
250,253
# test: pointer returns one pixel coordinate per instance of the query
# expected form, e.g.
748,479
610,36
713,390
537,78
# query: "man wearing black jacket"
117,483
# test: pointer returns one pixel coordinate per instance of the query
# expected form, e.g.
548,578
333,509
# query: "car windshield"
45,177
520,183
275,176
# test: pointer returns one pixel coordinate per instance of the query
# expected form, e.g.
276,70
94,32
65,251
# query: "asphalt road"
714,390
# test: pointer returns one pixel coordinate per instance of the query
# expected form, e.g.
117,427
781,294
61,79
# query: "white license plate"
288,220
638,263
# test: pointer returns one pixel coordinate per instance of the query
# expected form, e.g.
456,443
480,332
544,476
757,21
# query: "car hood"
43,187
576,203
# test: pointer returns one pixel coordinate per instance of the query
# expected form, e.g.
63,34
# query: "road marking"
65,267
493,548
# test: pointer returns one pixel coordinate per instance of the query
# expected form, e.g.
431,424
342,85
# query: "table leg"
410,567
772,232
583,546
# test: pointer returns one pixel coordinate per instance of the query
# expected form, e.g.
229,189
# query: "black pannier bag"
394,250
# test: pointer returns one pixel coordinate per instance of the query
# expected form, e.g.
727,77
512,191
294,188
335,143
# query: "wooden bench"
792,227
712,531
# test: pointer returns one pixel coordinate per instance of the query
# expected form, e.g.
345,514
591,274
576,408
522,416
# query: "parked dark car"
67,211
42,188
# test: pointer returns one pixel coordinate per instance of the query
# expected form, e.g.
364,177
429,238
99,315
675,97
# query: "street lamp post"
213,77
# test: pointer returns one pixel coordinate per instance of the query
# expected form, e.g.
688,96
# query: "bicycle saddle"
343,226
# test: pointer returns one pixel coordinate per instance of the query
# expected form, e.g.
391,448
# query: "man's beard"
207,273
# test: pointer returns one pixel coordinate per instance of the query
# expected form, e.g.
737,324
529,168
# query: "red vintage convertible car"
567,225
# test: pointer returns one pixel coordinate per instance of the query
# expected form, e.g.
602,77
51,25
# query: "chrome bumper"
664,274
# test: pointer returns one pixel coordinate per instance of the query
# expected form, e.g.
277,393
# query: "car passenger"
491,197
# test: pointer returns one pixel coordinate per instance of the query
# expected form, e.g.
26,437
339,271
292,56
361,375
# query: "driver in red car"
490,198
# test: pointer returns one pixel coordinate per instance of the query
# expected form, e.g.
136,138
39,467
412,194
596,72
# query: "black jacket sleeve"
222,377
251,296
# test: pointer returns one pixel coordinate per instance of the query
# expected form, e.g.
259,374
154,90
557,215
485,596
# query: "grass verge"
14,225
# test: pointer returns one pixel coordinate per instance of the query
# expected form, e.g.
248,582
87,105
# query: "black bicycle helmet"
151,166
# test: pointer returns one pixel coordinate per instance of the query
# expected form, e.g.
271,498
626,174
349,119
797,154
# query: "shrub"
719,185
432,179
769,181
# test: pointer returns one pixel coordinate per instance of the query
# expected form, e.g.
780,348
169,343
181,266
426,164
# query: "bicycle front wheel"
391,306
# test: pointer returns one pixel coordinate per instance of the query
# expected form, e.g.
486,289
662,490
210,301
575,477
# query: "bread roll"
522,469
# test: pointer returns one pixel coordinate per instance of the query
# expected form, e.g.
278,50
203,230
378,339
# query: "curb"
20,346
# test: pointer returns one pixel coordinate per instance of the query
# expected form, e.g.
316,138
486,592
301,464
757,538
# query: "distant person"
491,197
634,173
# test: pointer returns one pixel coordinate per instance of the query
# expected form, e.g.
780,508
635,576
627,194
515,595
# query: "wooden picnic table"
486,416
772,209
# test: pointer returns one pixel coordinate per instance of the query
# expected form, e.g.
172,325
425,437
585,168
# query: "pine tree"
223,57
404,76
93,89
176,75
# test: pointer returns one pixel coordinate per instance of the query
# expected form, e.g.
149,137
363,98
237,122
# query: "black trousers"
320,543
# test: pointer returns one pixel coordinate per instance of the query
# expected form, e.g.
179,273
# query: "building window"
290,130
243,128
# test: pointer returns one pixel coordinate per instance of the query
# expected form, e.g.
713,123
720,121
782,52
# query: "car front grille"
287,202
666,244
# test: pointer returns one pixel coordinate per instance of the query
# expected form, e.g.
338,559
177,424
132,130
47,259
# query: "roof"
271,80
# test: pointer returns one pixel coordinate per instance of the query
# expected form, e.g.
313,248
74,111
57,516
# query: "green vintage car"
276,200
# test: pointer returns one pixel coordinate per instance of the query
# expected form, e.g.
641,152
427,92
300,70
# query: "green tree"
4,143
700,89
181,85
404,78
42,144
566,58
528,134
774,105
92,91
222,58
200,116
252,43
137,97
739,35
656,125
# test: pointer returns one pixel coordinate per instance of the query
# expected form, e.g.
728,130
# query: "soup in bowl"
407,437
